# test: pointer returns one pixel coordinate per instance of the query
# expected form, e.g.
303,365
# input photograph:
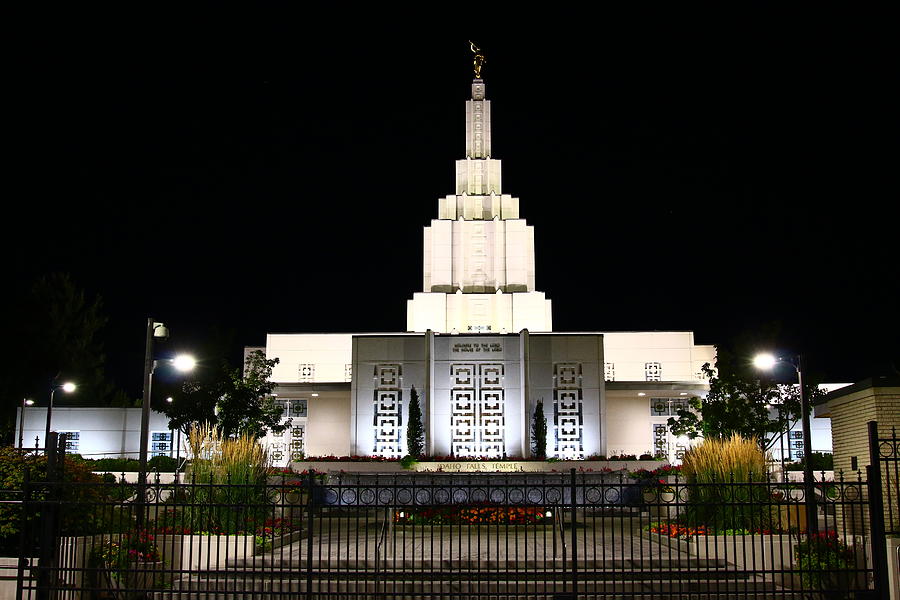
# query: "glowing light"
68,387
641,394
314,395
169,400
184,362
29,403
764,361
549,514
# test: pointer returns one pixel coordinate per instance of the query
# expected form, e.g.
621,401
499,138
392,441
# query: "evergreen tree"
415,433
539,431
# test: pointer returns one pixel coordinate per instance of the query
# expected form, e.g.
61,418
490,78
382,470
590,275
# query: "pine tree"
415,433
539,431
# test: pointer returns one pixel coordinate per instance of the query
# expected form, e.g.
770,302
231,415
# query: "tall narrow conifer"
415,433
539,431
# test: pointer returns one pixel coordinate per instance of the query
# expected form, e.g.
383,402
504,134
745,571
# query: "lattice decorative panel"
298,407
463,422
462,376
387,376
659,407
306,372
477,421
653,371
388,422
609,371
348,372
298,438
660,439
568,417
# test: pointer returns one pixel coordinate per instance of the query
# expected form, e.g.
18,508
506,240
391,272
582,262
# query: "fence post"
574,538
876,514
310,482
48,512
24,547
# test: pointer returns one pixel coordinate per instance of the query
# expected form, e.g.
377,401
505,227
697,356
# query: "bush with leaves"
826,563
82,509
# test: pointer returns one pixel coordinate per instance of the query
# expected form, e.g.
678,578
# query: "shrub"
826,563
720,473
82,511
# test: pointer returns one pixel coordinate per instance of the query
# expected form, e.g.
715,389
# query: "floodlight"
764,361
68,387
184,362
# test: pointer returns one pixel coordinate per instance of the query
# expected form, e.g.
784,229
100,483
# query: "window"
298,407
160,443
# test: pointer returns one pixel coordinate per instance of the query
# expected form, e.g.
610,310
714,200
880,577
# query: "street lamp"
68,387
183,363
767,362
25,402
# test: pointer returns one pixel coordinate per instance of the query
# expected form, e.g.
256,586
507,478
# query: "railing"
889,459
431,535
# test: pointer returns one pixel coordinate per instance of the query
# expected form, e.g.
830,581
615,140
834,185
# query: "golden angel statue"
478,60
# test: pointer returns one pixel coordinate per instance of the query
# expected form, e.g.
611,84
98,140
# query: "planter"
206,552
755,552
9,572
135,583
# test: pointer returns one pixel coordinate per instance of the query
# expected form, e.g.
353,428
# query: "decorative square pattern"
299,407
609,371
659,407
477,421
568,418
306,372
348,372
462,375
387,376
388,420
653,371
298,437
660,439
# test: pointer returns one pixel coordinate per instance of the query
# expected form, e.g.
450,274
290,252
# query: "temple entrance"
477,422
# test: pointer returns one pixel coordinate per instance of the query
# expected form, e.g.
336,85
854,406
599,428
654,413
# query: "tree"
539,431
56,335
740,405
236,402
415,433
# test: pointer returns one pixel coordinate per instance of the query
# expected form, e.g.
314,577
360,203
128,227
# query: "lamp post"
25,402
68,387
768,362
183,363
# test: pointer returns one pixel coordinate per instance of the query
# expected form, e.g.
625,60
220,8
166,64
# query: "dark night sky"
265,178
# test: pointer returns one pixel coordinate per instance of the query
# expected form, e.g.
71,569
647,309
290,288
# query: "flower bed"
473,515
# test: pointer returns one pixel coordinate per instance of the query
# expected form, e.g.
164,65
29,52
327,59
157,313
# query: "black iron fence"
887,448
537,535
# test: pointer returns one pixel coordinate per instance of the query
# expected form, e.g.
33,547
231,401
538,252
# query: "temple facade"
480,351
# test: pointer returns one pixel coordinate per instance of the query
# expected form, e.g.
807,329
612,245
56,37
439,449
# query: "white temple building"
481,352
479,349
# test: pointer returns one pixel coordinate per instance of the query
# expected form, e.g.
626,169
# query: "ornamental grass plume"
722,477
218,459
717,460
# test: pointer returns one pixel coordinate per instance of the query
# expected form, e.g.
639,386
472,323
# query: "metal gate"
579,534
